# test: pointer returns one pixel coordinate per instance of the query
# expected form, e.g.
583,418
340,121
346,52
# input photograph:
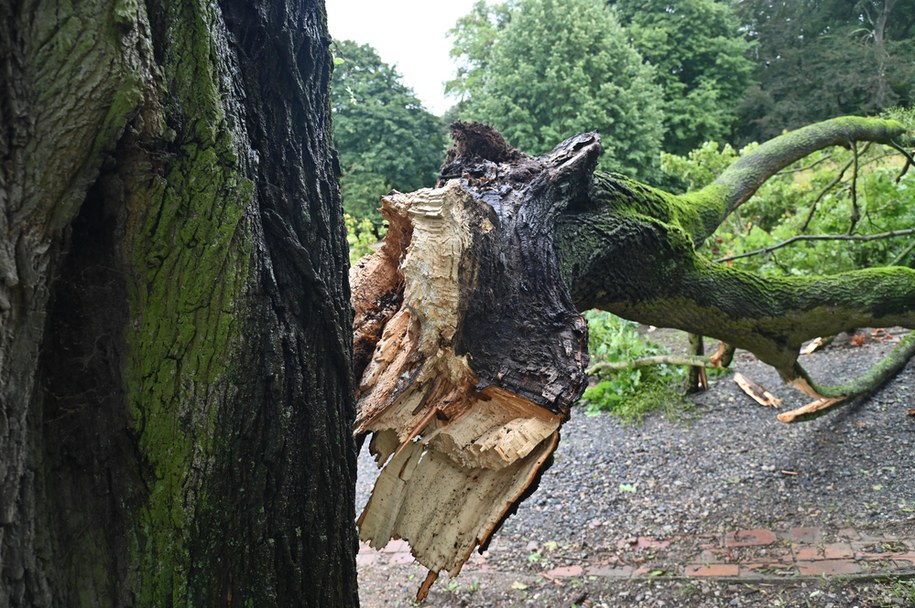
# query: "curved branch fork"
476,350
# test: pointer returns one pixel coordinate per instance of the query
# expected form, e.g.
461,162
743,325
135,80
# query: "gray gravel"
719,465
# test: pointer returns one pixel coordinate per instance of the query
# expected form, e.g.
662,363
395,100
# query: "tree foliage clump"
385,138
821,58
543,70
703,70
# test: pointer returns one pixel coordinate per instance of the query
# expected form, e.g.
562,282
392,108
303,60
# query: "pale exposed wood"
813,406
800,383
722,356
812,346
756,392
454,457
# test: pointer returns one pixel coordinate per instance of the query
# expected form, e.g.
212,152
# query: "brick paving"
739,554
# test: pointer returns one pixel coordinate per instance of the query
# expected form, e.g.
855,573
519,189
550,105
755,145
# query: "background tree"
384,137
701,65
821,58
474,35
175,381
542,70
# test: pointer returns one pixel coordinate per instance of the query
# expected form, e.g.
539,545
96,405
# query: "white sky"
409,34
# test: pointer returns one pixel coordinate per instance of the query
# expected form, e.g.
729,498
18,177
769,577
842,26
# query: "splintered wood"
756,392
455,457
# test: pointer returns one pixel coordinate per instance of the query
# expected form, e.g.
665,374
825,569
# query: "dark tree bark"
175,377
470,347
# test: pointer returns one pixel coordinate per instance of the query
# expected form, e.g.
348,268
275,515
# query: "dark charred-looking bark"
175,356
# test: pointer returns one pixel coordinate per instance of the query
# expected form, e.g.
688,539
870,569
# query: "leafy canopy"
701,64
543,70
385,138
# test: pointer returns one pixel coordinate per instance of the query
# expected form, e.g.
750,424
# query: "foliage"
362,236
384,137
821,58
543,70
474,35
781,207
628,394
702,70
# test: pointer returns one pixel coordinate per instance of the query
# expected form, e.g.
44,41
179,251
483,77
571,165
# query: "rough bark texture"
478,355
175,381
464,327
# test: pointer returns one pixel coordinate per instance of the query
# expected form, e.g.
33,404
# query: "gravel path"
722,464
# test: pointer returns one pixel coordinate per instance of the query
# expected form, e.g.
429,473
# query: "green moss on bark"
190,247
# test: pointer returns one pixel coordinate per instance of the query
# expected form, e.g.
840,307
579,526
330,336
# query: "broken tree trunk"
467,337
478,357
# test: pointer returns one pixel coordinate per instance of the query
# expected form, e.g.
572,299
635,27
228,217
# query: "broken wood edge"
813,346
420,548
814,406
723,356
756,392
858,389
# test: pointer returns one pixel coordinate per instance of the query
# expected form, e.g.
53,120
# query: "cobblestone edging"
758,554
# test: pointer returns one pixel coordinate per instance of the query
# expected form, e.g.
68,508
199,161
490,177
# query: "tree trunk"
175,425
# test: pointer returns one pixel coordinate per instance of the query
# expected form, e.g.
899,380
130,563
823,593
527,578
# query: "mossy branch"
744,177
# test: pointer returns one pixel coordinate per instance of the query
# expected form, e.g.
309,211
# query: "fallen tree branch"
820,237
859,388
691,360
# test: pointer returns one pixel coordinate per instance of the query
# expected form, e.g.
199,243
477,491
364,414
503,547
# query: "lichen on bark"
183,403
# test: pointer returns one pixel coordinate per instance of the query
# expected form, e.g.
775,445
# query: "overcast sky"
409,34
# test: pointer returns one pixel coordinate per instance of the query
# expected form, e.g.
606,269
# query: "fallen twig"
756,392
646,361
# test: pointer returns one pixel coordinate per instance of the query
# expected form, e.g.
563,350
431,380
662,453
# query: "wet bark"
477,353
175,378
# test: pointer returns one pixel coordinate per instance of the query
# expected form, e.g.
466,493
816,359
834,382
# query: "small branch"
909,161
905,252
646,361
833,183
823,193
820,237
855,210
